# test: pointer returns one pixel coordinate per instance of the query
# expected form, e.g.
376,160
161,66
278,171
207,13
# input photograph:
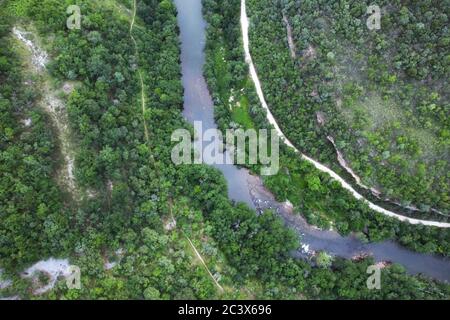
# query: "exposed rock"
53,268
55,107
310,53
4,283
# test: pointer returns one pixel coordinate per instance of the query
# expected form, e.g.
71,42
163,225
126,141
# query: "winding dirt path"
319,166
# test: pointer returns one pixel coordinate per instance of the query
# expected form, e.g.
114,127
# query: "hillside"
88,185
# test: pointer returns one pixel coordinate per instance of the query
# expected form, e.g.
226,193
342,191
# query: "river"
244,187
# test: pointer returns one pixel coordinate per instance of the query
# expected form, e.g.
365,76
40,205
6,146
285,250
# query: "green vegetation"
32,208
131,188
241,114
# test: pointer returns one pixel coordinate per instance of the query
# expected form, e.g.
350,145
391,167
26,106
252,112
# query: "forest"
125,101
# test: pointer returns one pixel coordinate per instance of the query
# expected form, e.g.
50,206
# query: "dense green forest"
381,94
125,102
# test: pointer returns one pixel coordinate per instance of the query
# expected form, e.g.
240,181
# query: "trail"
340,157
203,262
319,166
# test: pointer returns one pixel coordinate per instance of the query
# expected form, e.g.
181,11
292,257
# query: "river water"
244,187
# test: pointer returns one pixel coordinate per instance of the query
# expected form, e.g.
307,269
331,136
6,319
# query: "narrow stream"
243,187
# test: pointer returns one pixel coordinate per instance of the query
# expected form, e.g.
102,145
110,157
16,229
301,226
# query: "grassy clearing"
235,99
240,113
222,75
375,112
